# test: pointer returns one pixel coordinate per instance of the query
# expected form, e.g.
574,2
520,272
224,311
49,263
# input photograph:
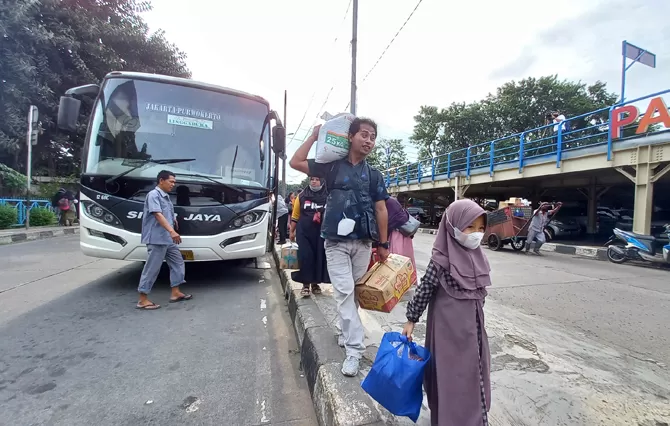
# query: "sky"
447,52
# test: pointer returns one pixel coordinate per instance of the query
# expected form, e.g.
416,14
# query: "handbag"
396,378
409,228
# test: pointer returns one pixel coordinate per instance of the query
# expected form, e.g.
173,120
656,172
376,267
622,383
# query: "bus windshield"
217,134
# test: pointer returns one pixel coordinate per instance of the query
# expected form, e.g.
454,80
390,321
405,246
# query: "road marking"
192,404
49,276
264,418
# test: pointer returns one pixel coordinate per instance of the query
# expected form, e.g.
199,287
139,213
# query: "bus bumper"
104,241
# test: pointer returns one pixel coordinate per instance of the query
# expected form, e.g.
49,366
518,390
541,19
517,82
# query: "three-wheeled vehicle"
509,225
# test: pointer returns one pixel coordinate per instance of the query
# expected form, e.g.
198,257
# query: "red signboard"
657,113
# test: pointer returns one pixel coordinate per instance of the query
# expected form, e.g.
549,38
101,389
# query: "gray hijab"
470,268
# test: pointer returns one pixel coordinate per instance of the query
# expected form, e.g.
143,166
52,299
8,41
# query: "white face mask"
470,241
315,188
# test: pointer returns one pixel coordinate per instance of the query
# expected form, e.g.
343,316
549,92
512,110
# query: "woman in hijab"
306,229
457,377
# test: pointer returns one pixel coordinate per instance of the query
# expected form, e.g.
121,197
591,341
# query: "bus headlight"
247,219
100,214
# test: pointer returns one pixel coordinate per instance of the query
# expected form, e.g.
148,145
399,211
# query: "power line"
387,46
337,36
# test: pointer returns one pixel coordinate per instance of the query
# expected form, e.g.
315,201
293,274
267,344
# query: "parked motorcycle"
624,246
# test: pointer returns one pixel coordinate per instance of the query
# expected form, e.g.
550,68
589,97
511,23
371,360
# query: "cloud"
448,52
520,66
587,47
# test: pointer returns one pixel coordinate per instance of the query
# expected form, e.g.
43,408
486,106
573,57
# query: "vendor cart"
509,225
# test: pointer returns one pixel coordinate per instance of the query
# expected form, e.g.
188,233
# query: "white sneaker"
350,366
340,340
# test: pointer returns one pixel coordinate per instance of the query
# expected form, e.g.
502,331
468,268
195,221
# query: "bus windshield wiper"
144,162
211,179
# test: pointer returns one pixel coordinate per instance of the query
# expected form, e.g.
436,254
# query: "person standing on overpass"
159,233
539,221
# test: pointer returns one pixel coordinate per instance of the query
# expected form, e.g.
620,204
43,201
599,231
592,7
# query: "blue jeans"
156,253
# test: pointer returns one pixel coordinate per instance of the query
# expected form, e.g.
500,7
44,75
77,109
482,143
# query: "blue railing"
586,130
22,206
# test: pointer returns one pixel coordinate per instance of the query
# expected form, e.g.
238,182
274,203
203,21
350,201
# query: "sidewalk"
17,235
540,374
590,252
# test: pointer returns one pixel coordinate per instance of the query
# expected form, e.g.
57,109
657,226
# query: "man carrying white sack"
355,216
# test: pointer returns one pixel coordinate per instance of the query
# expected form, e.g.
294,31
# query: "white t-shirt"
558,119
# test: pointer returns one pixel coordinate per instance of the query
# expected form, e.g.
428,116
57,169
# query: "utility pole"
354,46
282,190
31,139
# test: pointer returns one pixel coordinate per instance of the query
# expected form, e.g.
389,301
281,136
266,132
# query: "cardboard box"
382,287
289,257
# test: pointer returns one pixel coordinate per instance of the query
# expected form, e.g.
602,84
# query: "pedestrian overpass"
599,150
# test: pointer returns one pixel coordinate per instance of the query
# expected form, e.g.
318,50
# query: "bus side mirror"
278,139
68,113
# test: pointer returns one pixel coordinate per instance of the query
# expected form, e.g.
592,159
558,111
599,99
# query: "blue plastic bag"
396,380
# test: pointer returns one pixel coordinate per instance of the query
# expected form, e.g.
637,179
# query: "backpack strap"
373,184
332,175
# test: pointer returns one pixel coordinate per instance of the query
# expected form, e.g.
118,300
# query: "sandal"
316,290
305,292
180,298
151,306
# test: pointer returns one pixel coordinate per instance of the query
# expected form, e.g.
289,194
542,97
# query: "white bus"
218,142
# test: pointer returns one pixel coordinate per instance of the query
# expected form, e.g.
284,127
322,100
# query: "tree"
294,187
378,158
12,183
52,45
514,108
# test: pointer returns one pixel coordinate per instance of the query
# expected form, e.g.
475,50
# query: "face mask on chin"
316,188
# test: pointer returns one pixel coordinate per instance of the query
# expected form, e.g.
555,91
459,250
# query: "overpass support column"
644,179
592,195
592,208
459,190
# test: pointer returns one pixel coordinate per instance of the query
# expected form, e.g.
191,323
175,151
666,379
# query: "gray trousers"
347,263
156,253
538,237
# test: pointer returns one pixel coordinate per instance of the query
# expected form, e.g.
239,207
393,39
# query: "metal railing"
586,130
22,206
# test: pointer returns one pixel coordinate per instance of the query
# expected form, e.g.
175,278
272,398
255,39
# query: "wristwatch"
385,245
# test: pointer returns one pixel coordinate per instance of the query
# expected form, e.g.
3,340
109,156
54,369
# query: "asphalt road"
76,352
623,306
574,342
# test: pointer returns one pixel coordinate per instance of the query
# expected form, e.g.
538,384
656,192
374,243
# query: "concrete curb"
338,400
37,234
595,253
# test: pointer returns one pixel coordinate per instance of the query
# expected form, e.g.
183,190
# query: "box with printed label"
382,287
289,257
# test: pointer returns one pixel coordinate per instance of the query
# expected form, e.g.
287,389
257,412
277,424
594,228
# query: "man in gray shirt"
159,233
541,218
